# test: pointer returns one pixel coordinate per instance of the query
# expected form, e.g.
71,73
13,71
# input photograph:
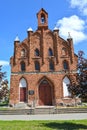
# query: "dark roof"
42,10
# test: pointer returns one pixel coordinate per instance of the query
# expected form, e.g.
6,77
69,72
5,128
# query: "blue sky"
18,15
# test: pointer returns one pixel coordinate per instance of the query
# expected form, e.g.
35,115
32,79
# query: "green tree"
4,91
79,88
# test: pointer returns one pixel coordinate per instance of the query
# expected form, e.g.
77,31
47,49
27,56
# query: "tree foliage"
79,88
2,74
4,91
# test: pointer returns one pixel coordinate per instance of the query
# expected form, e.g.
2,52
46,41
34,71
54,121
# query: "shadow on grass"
65,126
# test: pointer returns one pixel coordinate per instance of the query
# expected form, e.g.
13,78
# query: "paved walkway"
74,116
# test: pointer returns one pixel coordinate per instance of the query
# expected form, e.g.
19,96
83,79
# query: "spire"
55,29
17,39
69,35
29,29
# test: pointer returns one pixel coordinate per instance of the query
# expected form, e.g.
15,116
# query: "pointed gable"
42,10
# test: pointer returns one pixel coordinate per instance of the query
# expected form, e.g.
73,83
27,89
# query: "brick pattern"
42,39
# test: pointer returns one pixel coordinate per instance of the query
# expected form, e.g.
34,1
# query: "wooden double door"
45,94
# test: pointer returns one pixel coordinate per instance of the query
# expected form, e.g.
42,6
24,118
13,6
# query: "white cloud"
74,25
80,4
4,63
85,11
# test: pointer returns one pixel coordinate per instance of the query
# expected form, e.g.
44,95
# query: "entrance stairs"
41,110
15,112
70,110
45,110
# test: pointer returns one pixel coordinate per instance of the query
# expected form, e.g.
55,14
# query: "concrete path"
73,116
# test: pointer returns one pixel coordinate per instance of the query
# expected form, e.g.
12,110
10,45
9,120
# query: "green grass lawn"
44,125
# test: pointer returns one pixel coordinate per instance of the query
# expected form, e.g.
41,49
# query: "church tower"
42,16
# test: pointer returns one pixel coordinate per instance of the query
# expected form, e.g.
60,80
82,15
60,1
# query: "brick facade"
43,60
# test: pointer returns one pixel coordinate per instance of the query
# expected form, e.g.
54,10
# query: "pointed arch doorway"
66,93
23,90
45,93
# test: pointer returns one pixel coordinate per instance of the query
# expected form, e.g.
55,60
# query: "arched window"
42,18
44,81
22,83
37,53
23,66
63,51
50,52
66,81
23,53
37,66
65,65
51,65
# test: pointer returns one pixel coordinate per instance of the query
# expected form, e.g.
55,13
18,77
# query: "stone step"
71,110
53,110
44,111
59,110
17,112
20,105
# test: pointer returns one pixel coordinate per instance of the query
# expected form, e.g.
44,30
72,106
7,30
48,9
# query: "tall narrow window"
50,52
63,51
65,65
37,53
23,53
22,66
37,66
51,65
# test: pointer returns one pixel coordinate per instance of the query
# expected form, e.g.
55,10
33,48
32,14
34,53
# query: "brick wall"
42,39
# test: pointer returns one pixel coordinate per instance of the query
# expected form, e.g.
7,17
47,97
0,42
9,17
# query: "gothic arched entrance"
45,93
23,89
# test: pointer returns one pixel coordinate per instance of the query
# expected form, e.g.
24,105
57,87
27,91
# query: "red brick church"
42,65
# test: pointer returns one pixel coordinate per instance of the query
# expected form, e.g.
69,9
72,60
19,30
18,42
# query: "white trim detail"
66,81
22,83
